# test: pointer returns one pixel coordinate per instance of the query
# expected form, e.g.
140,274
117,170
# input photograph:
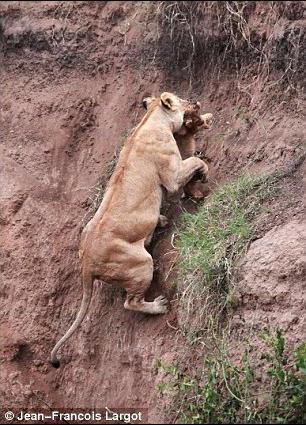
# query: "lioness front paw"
204,169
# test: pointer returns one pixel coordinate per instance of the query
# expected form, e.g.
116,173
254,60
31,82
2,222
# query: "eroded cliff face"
72,77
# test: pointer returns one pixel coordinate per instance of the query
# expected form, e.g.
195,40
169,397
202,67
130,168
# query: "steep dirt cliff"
72,77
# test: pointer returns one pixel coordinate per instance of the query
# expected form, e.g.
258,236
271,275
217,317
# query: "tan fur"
193,122
113,243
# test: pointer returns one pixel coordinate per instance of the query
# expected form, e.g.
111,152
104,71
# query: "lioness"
113,243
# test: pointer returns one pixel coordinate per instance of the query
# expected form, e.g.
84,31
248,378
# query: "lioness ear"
167,99
147,101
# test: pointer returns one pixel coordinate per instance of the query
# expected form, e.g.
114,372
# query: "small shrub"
220,36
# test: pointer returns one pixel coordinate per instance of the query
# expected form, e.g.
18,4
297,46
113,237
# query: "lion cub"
193,122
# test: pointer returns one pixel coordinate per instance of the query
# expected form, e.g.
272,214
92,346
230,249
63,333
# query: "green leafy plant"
301,357
225,392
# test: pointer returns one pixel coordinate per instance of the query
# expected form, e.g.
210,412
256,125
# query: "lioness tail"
87,293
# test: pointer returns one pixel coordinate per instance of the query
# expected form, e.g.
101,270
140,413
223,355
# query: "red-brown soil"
72,80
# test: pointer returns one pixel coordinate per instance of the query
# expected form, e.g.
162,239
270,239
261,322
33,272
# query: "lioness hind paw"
160,309
161,298
160,305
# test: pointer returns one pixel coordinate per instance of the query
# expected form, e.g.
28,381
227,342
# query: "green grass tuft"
210,242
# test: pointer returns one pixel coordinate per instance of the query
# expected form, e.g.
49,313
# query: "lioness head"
185,113
173,107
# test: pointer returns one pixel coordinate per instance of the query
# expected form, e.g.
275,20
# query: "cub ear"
168,100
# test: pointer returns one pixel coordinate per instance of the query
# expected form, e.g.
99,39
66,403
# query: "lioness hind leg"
140,279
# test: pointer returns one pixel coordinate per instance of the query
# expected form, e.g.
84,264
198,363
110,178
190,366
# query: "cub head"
194,121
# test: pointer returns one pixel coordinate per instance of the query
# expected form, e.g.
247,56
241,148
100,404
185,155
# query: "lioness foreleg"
189,167
181,172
